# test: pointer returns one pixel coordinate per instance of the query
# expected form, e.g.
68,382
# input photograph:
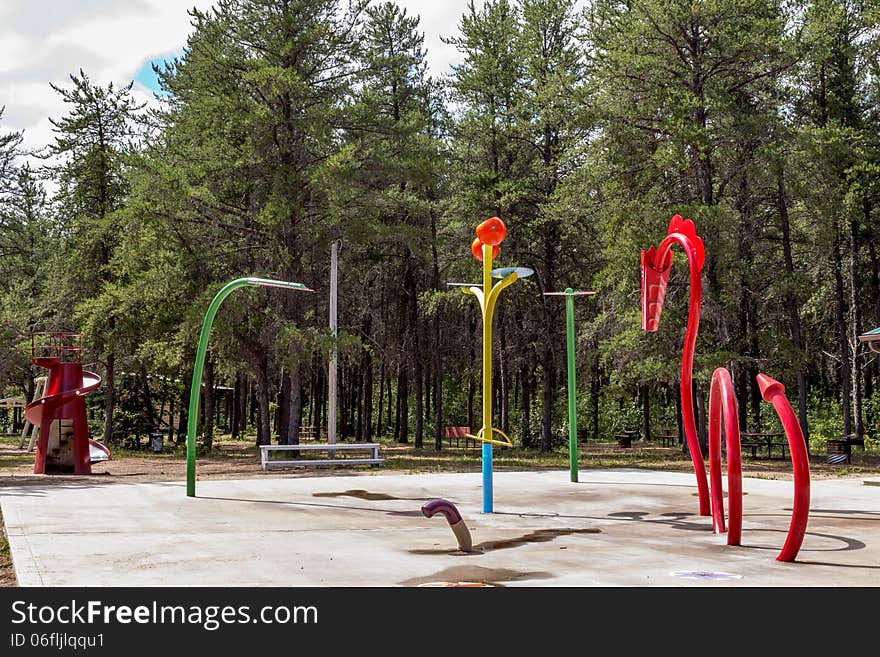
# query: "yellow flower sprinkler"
490,234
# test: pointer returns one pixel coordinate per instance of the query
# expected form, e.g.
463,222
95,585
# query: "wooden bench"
332,450
457,433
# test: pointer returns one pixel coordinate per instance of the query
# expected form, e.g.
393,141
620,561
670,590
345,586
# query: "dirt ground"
242,461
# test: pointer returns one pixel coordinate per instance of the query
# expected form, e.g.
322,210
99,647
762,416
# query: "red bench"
457,433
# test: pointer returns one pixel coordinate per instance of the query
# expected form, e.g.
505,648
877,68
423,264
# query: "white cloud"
43,41
438,19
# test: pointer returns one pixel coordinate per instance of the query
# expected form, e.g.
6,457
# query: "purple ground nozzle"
439,505
453,517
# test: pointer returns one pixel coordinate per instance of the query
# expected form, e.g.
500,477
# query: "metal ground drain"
704,574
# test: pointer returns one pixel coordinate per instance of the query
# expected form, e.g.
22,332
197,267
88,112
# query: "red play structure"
64,445
656,265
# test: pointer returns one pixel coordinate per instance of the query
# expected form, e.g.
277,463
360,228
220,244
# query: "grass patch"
7,573
405,457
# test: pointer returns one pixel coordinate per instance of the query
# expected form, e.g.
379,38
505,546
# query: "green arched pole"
196,385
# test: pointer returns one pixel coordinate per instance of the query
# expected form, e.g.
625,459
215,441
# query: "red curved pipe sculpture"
774,393
722,402
656,265
453,517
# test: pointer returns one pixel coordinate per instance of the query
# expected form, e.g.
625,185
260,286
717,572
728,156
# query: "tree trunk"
504,377
873,371
236,396
242,407
253,413
595,391
791,305
322,425
401,423
282,414
342,402
147,401
438,385
548,384
702,425
857,323
388,415
294,417
435,326
381,398
427,388
368,396
645,393
472,381
264,436
418,399
313,391
359,405
184,404
208,395
679,417
843,339
525,407
227,411
171,435
109,397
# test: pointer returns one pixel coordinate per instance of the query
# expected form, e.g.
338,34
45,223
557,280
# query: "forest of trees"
287,125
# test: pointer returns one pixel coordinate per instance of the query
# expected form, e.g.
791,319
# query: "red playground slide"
64,445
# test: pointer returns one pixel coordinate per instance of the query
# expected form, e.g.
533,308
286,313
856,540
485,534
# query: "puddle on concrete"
474,575
365,495
537,536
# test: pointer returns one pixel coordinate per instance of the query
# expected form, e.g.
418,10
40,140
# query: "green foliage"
825,419
289,126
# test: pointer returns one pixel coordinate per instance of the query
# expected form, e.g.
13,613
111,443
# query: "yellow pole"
486,432
487,298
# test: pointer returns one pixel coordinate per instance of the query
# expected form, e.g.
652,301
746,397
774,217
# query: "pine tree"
87,160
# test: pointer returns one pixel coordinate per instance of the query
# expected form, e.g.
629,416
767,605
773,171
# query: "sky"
43,41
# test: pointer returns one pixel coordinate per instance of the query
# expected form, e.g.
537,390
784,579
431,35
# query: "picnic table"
668,436
756,441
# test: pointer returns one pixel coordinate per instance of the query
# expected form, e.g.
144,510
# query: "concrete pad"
613,528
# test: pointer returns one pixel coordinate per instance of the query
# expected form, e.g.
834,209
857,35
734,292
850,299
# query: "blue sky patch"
147,77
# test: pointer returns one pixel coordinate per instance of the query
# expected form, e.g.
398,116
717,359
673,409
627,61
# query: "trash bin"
838,451
156,441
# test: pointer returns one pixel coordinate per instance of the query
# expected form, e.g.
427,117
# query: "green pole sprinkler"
569,295
196,386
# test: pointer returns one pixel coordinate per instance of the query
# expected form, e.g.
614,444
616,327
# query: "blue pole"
487,478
